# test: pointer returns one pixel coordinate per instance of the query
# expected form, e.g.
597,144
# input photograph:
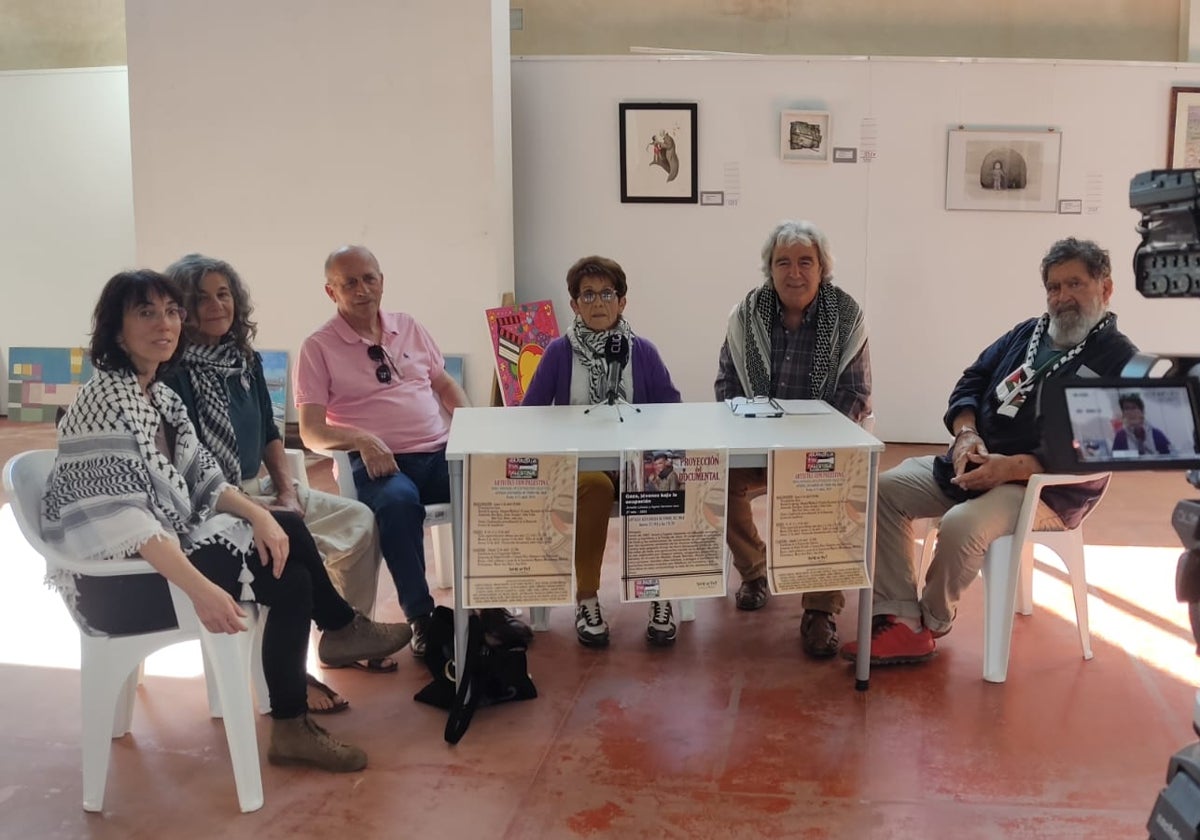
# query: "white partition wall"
937,285
269,133
66,202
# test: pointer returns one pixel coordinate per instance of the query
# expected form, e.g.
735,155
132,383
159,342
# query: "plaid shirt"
791,358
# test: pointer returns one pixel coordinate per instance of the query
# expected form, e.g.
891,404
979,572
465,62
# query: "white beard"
1069,328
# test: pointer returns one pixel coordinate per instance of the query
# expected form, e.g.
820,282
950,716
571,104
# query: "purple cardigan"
551,383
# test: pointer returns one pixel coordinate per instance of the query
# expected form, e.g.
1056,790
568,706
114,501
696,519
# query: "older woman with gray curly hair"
220,379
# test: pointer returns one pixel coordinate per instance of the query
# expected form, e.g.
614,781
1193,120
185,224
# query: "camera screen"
1123,424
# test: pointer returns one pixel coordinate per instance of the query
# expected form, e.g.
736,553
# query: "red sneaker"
893,643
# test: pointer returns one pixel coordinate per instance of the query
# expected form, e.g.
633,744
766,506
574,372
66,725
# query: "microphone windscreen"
616,349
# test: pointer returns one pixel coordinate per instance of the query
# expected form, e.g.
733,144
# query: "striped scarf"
588,346
841,333
208,367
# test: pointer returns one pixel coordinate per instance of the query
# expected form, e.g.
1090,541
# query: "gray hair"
1093,256
189,272
792,232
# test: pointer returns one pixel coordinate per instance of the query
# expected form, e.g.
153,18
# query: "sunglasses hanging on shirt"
384,371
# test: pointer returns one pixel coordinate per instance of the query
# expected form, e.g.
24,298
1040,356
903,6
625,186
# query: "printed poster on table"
673,509
520,536
818,517
520,334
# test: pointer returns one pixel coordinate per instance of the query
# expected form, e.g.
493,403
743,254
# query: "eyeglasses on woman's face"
384,372
607,296
149,313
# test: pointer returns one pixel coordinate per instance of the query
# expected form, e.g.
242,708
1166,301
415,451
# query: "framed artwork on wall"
658,152
1183,130
804,136
998,169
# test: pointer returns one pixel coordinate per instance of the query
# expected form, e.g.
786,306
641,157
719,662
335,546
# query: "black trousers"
302,594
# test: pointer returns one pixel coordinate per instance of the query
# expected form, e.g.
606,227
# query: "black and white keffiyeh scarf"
1015,388
208,367
841,334
112,489
588,347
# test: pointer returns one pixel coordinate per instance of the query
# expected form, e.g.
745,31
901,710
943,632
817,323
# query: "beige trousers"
344,531
909,491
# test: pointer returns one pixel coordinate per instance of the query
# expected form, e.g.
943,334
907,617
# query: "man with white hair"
794,336
977,487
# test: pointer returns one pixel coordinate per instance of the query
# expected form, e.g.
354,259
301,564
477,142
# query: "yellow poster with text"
818,517
520,534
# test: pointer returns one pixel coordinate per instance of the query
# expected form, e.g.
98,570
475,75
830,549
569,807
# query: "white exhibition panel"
66,202
306,125
937,285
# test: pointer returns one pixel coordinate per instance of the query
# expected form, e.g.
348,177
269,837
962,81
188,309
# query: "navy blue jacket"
1105,354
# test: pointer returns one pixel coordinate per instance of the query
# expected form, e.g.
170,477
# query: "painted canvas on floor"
520,334
275,370
41,379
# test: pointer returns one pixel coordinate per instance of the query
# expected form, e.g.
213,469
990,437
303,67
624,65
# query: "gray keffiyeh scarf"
208,367
588,347
112,489
841,334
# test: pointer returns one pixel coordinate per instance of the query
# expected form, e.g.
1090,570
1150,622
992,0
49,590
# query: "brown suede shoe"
361,639
818,634
752,594
300,741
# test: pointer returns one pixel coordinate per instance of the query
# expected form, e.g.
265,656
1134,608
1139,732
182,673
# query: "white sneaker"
590,626
661,629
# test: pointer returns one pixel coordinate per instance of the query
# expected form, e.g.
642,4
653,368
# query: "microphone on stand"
616,355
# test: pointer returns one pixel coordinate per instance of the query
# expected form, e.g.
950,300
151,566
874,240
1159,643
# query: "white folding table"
598,438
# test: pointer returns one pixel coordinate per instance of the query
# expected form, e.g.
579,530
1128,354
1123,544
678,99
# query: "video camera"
1147,420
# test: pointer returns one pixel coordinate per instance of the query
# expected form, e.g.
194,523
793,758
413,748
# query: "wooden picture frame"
1183,129
658,152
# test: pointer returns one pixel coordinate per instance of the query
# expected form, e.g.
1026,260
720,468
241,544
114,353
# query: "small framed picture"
1183,146
658,152
1002,170
804,136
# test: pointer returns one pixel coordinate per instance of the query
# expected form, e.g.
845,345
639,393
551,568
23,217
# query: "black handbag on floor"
493,674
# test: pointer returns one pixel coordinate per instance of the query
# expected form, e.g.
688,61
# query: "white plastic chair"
1008,571
110,665
437,517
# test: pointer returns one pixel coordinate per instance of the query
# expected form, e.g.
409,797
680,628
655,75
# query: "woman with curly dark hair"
132,477
220,380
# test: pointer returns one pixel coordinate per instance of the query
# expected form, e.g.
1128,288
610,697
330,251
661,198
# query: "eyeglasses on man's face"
384,372
608,296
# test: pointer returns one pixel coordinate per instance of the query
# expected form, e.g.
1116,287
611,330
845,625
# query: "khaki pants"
344,531
748,550
908,492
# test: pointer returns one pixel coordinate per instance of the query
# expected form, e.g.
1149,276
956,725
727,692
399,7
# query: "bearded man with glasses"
375,383
978,486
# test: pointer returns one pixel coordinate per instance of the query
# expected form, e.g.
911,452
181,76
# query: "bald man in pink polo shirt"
375,383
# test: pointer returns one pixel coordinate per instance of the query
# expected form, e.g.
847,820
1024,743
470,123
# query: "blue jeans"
398,502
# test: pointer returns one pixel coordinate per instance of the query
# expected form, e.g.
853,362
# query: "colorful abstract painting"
43,379
520,334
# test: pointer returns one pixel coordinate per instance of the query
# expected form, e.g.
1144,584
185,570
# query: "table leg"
456,525
866,597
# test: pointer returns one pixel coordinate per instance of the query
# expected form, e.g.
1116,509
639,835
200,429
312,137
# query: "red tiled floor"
730,734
